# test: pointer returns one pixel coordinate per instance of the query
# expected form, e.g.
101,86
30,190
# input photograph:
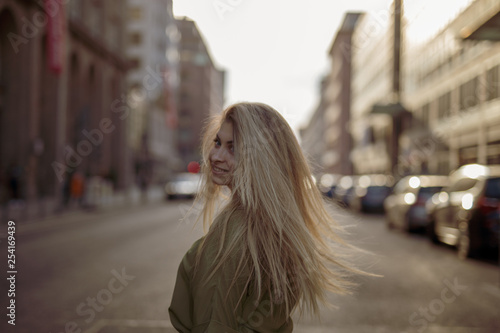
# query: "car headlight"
467,201
410,198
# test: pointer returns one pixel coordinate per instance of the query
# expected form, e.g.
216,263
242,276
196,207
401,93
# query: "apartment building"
152,81
326,139
372,84
454,89
201,90
338,140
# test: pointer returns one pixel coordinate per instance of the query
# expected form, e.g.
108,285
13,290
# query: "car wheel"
407,224
465,246
431,232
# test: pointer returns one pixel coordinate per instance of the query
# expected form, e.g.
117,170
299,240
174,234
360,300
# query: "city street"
114,271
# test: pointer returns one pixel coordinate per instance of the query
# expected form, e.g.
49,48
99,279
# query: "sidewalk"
26,212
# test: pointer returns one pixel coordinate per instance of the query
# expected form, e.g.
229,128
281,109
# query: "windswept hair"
288,236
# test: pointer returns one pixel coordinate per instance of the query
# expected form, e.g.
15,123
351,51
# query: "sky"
276,51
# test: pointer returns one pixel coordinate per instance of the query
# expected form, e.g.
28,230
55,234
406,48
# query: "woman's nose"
218,155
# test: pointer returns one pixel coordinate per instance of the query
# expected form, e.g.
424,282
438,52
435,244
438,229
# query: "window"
425,114
492,83
135,38
492,188
135,63
468,94
444,105
135,13
76,9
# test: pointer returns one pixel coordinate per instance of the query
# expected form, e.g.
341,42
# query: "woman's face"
222,155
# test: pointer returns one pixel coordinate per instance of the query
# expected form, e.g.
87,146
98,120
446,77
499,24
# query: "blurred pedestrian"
77,188
269,249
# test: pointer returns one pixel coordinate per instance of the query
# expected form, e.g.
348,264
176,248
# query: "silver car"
467,213
405,208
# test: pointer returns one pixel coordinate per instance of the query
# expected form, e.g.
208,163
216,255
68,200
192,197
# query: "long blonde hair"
287,234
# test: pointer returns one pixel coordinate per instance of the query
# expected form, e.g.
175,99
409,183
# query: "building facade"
337,159
371,84
312,136
454,92
61,82
327,138
200,93
152,82
378,114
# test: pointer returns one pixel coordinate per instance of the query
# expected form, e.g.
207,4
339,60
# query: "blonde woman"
269,248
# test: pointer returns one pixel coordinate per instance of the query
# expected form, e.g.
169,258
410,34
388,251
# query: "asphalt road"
114,272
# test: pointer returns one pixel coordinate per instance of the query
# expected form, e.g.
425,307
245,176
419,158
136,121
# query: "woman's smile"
218,171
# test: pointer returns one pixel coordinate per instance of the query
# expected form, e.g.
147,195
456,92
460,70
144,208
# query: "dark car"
183,185
405,208
466,214
369,193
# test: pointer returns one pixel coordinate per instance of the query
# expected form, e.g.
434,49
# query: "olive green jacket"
202,305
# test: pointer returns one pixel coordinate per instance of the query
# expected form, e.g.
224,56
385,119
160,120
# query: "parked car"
183,185
328,183
466,214
405,208
369,193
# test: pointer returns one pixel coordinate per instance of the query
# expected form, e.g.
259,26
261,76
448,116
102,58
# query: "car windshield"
463,185
427,192
492,188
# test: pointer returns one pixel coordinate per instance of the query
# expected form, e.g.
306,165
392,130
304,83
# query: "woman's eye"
217,142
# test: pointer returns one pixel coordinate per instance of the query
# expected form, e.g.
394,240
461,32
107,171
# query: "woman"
270,247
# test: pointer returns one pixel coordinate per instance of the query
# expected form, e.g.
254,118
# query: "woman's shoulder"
227,219
190,256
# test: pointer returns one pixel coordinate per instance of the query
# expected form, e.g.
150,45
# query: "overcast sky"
275,51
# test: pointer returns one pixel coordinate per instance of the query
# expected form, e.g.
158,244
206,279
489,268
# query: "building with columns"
62,102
